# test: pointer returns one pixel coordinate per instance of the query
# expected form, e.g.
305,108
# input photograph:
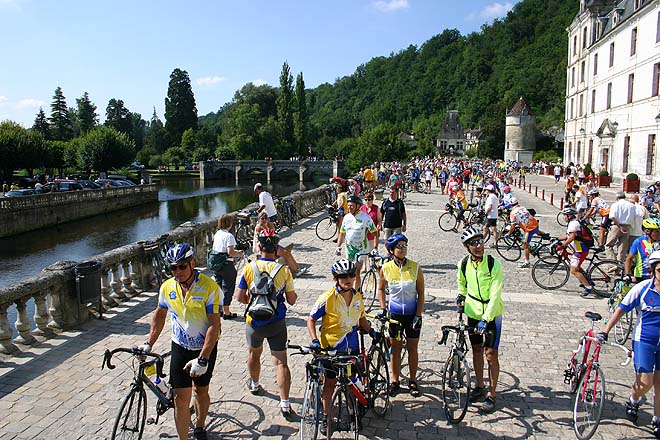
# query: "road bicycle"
244,229
390,329
157,251
132,415
551,272
312,409
585,378
326,228
448,221
369,284
287,214
510,245
624,326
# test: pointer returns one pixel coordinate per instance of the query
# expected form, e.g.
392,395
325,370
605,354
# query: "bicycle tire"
589,402
326,229
447,222
157,270
342,413
369,288
550,272
131,408
603,276
379,382
456,382
508,249
560,220
311,412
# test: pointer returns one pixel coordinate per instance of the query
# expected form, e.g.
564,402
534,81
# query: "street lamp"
657,119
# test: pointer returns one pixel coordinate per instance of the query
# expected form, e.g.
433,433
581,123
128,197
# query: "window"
573,77
637,4
656,79
608,104
577,152
626,154
572,104
582,69
650,155
570,147
575,45
584,37
591,151
657,29
633,42
611,54
581,107
595,64
631,84
593,101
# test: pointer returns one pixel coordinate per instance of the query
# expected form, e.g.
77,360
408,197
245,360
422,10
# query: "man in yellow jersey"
272,328
194,302
406,304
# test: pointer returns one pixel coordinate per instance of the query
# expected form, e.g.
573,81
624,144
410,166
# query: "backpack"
490,261
216,260
263,294
585,235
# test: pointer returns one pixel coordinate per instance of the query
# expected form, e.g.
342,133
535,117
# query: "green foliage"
175,156
180,108
155,139
117,116
285,105
632,176
156,161
87,117
188,143
19,148
104,148
548,156
301,118
41,124
604,173
587,169
60,121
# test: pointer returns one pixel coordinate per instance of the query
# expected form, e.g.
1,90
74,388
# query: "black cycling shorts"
406,326
180,378
491,339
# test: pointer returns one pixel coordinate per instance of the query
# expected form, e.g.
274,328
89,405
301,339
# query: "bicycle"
510,245
312,410
157,250
385,329
244,227
624,326
286,211
588,381
132,414
326,228
551,272
369,284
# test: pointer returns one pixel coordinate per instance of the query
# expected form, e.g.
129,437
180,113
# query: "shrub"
632,176
604,173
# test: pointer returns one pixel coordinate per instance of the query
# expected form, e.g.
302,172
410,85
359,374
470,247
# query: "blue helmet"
179,253
393,240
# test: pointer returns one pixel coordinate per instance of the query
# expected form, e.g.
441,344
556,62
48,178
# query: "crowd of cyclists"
195,302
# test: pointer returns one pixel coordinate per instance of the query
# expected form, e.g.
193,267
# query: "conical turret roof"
521,109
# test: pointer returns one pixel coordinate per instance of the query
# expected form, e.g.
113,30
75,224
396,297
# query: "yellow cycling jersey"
339,321
189,314
283,283
402,282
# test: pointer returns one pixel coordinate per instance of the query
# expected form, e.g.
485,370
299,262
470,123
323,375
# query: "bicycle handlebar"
384,319
613,344
157,358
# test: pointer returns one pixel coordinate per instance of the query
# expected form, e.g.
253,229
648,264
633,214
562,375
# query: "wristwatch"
202,361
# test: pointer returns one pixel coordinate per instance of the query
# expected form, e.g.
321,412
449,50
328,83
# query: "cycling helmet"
657,183
654,259
268,240
343,267
513,201
470,233
593,192
571,212
506,188
179,253
355,199
490,188
391,242
650,190
651,223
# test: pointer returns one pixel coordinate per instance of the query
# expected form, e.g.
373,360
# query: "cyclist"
649,201
640,251
355,229
341,310
580,251
646,340
491,208
405,280
462,204
523,219
342,204
393,212
195,322
480,283
598,206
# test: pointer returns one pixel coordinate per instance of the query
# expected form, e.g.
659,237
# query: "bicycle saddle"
545,236
593,316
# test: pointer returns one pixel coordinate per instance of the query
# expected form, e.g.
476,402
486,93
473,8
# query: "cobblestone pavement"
57,389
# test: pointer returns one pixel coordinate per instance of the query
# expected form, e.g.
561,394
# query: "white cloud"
390,5
29,103
13,4
209,80
259,82
3,99
494,10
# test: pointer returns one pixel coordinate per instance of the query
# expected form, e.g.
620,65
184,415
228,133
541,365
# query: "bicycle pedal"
151,421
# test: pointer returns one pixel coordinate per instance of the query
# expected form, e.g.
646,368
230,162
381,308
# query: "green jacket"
482,289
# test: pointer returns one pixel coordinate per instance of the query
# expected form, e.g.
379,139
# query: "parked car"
19,193
124,179
66,185
113,183
88,184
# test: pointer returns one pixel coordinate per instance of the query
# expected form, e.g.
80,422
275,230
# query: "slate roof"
521,109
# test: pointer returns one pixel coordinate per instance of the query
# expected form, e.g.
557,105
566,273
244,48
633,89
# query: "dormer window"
637,4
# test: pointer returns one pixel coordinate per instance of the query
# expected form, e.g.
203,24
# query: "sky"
127,49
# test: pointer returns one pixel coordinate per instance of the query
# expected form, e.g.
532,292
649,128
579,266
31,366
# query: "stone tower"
520,138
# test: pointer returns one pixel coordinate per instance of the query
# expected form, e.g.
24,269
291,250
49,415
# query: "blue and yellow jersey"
402,283
339,321
641,249
189,314
283,283
577,244
646,299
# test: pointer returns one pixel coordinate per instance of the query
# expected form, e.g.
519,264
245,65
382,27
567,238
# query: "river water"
179,201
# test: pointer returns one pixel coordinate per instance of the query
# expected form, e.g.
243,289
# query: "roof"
451,127
606,10
521,109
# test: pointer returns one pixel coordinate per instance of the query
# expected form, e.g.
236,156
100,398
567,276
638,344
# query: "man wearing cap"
354,230
265,202
622,213
490,207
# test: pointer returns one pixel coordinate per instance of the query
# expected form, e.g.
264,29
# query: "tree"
175,156
104,148
301,119
12,137
60,121
156,134
188,142
139,130
180,109
87,117
41,124
118,117
285,105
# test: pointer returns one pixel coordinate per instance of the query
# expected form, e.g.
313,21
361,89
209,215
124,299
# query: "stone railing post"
63,308
41,314
6,346
23,323
116,285
127,290
136,271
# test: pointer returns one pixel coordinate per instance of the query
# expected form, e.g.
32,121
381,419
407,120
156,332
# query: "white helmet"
654,259
490,188
513,201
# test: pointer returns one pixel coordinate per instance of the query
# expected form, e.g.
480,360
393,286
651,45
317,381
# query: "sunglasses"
179,267
401,246
476,242
344,276
368,200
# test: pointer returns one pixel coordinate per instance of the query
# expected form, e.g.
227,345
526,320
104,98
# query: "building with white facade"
612,100
452,138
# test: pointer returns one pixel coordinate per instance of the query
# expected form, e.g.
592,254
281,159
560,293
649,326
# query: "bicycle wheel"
560,219
550,272
447,222
603,275
132,415
589,403
157,270
508,249
311,412
369,288
326,229
379,382
342,414
623,327
455,387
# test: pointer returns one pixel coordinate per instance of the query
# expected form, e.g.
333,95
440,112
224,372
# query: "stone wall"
23,214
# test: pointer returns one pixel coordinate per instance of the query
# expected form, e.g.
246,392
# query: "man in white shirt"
491,205
622,214
581,202
265,202
354,230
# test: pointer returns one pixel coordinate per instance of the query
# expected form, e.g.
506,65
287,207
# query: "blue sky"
127,49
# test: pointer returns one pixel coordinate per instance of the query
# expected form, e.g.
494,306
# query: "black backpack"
490,260
263,294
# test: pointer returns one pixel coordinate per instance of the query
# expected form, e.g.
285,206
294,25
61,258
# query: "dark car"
67,185
19,193
88,184
104,182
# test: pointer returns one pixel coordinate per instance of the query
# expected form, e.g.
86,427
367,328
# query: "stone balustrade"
125,272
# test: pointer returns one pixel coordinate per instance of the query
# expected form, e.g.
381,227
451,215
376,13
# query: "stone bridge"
225,169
